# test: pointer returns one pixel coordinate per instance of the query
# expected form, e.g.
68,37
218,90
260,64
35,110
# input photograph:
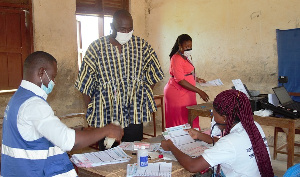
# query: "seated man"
34,139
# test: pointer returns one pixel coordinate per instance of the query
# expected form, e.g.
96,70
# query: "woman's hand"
194,133
199,80
203,95
165,144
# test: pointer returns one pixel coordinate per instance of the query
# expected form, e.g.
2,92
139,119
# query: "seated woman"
242,151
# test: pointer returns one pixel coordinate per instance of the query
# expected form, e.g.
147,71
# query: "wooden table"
121,168
288,125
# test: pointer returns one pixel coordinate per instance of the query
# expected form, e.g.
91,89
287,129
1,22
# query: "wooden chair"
277,130
281,148
159,100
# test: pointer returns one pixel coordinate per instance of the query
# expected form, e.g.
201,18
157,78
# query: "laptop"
285,99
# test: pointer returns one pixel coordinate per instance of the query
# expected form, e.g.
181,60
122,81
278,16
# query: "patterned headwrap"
236,106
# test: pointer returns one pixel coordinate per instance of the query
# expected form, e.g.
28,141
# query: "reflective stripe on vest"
31,154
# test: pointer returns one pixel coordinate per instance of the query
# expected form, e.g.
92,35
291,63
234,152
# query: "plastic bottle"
142,157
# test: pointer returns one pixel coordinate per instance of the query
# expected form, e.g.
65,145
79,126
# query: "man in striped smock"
34,139
116,78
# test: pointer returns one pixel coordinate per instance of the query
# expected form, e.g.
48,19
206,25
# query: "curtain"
288,47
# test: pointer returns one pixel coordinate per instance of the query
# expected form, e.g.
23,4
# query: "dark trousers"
134,132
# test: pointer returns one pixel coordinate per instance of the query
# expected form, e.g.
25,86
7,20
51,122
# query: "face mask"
188,54
50,85
215,130
122,38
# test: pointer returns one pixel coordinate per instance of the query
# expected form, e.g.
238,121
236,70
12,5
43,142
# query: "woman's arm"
191,164
202,136
199,80
185,84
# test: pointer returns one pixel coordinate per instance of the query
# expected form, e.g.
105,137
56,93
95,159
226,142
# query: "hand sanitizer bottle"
142,157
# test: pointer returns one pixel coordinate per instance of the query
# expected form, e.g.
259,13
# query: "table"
121,168
287,124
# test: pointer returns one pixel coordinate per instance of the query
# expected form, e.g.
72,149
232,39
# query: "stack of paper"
129,146
184,142
216,82
153,169
93,159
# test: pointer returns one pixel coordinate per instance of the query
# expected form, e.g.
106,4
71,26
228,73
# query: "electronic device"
279,111
254,100
285,99
283,79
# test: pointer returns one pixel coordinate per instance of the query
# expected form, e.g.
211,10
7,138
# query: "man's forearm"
84,138
87,99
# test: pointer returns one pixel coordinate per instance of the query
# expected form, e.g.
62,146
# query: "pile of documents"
133,146
184,142
153,169
93,159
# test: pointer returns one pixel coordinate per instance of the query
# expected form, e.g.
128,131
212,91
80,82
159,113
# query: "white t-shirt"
36,119
235,154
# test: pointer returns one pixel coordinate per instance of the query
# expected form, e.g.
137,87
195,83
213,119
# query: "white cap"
143,147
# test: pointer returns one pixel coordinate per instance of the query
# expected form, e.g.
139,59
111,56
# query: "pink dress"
176,97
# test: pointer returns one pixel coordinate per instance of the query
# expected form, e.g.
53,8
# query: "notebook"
285,99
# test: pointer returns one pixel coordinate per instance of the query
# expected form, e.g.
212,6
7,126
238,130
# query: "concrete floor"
279,165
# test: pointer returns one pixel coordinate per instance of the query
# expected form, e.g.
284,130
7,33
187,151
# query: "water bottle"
142,157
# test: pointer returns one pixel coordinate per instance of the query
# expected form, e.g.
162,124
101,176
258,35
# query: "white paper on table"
154,147
126,146
216,82
111,156
153,169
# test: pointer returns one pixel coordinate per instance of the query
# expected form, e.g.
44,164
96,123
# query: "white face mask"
188,54
122,38
215,130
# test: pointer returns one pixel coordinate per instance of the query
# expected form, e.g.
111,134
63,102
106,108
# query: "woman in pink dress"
181,89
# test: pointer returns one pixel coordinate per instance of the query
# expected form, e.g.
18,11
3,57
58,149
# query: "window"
89,28
93,21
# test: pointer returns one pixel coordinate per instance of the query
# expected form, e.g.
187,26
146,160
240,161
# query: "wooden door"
14,46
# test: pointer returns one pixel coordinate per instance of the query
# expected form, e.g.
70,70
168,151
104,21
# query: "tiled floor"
279,165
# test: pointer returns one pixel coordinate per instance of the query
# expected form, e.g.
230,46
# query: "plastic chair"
293,171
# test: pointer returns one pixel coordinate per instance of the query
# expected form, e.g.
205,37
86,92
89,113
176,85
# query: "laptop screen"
282,95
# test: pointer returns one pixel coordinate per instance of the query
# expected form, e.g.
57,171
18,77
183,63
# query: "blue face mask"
50,85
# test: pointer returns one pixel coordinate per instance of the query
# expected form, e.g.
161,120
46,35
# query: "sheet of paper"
126,146
93,159
216,82
240,86
153,169
184,142
154,147
272,98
